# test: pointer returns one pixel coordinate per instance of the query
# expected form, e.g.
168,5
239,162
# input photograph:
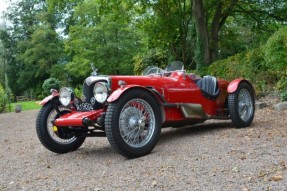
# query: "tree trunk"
218,21
208,42
202,31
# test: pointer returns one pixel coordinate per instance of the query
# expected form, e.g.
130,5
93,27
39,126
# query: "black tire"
60,141
133,123
241,105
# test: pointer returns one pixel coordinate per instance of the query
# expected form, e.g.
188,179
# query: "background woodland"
42,39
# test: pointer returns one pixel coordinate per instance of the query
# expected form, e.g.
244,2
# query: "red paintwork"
75,118
176,88
232,87
117,93
171,91
48,98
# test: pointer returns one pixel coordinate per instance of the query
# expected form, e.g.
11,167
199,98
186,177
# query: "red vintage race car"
131,110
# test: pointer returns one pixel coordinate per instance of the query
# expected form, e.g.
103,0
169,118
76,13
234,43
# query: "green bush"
284,95
40,97
281,86
276,53
3,99
265,67
229,68
78,91
51,83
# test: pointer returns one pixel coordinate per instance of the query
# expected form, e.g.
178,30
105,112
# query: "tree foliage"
3,99
154,57
211,17
60,39
168,26
103,36
32,44
2,62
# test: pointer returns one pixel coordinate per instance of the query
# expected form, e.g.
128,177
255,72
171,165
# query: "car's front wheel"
133,123
56,139
241,105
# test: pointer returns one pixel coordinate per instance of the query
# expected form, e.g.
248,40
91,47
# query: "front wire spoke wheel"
58,134
56,139
135,128
133,123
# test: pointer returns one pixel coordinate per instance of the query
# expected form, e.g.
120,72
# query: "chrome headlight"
66,96
101,92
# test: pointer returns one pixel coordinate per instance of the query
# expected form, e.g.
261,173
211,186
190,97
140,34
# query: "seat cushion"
209,87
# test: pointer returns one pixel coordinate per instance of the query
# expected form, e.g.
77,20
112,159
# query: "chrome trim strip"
93,79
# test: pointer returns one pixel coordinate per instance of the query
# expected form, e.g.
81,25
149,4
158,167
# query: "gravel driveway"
210,156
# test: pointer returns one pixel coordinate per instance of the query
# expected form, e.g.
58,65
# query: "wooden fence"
22,98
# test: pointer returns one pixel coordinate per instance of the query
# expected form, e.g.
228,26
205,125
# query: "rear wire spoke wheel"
132,123
56,139
241,105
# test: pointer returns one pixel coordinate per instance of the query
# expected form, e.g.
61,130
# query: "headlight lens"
101,92
66,96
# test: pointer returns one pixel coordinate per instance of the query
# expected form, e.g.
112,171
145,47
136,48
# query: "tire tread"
45,138
233,106
111,123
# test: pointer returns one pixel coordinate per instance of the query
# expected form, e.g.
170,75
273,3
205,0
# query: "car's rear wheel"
132,124
241,105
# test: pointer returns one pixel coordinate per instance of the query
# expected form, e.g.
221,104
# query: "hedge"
265,67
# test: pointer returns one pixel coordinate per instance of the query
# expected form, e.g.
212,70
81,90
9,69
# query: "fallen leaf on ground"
262,173
277,178
282,163
154,183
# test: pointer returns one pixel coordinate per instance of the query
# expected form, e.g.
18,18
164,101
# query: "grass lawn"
26,105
